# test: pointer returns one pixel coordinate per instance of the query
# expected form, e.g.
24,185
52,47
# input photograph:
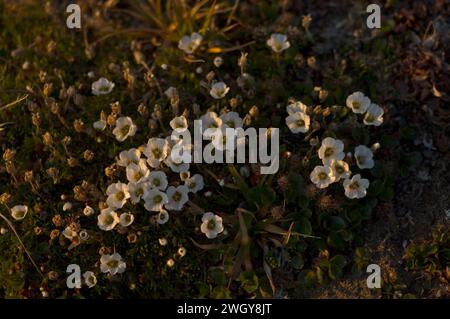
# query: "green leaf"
249,281
297,262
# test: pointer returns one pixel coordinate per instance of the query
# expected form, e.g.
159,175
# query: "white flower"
211,225
102,86
158,180
296,107
99,125
340,169
298,122
69,233
67,206
89,279
84,235
331,149
358,102
218,61
356,187
374,115
19,212
88,211
190,43
231,119
182,251
126,219
162,218
322,176
179,122
364,157
178,196
219,90
112,264
195,183
117,195
127,157
278,42
107,219
156,151
137,190
162,241
210,120
154,200
176,167
171,92
137,173
124,128
170,263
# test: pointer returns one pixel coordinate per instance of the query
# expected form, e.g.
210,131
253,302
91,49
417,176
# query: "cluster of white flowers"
334,168
298,119
361,104
147,181
146,169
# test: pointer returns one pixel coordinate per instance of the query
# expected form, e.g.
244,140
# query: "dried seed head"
57,220
36,119
9,154
38,230
51,46
116,108
111,119
28,176
254,111
72,162
54,234
47,139
54,106
4,198
312,63
110,170
53,172
78,125
132,238
48,88
88,155
52,275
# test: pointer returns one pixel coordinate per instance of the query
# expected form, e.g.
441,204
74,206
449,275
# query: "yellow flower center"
322,176
211,224
120,195
125,130
176,197
300,123
329,151
113,263
157,199
354,185
356,105
156,152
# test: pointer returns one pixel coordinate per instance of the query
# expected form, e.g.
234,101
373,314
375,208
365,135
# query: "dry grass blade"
20,99
13,229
